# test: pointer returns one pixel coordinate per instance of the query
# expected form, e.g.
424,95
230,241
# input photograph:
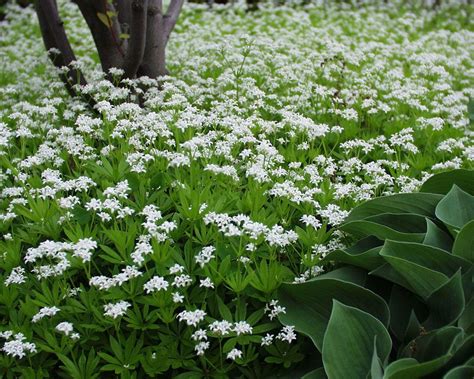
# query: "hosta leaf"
401,227
349,342
424,268
413,203
368,260
442,183
446,303
308,305
402,305
315,374
411,368
376,366
464,242
456,209
466,321
437,237
435,344
461,372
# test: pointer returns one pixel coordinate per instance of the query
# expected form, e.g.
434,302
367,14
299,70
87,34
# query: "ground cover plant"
399,302
151,239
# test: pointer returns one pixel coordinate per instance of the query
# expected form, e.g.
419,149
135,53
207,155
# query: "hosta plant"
397,303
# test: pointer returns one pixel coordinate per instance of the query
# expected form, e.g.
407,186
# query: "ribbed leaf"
349,342
461,372
401,227
464,242
368,260
446,303
308,305
437,237
424,268
415,203
456,209
441,183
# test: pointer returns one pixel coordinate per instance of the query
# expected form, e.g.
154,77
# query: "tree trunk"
154,59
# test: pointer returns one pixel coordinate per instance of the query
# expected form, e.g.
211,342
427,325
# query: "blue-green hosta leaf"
461,372
446,304
409,368
466,321
441,183
349,342
456,209
376,366
400,227
464,242
414,203
368,260
437,237
315,374
435,344
308,305
423,268
402,305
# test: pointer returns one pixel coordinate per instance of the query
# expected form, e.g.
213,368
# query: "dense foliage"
145,241
400,302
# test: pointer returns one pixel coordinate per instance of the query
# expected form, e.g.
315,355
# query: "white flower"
45,312
192,317
205,255
115,310
17,347
183,280
65,327
207,283
17,276
287,334
177,297
176,269
157,283
274,309
267,340
221,328
234,354
201,347
242,327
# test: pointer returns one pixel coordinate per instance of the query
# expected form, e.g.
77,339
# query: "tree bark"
54,37
136,45
106,38
154,59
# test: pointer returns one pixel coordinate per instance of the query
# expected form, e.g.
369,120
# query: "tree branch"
54,37
171,17
137,40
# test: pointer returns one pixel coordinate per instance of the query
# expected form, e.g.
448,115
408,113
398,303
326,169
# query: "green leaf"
433,345
424,268
411,368
446,304
104,19
437,237
461,372
464,242
368,260
308,305
400,227
376,366
402,304
315,374
414,203
349,342
456,209
443,182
